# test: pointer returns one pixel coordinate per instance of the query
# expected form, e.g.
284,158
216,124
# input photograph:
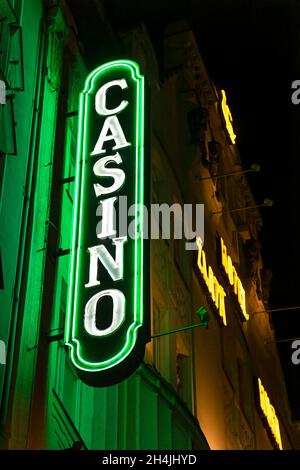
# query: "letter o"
117,317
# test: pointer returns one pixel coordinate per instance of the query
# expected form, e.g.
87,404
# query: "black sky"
252,49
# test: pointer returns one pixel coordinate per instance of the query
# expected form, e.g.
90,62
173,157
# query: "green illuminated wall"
16,196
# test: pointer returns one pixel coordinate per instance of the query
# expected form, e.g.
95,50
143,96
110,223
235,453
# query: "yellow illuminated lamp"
215,289
234,279
228,117
269,413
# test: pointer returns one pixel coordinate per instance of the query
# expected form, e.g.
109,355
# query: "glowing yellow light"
228,117
269,413
234,279
215,289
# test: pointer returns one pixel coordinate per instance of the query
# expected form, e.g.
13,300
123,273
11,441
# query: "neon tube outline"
72,315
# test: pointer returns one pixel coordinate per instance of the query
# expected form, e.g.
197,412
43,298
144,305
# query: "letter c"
100,99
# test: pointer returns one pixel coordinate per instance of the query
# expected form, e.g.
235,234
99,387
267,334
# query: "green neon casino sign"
107,323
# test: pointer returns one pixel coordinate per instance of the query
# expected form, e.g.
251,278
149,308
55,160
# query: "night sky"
251,48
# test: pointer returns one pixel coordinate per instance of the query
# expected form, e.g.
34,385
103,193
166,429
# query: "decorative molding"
57,30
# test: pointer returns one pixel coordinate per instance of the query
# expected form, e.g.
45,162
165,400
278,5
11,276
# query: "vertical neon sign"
107,316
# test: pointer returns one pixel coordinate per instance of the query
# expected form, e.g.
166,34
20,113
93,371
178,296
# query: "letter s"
100,169
296,94
296,354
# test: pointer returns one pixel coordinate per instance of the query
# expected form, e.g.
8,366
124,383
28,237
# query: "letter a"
111,130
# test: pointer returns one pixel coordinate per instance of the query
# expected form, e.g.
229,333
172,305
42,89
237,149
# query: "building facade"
219,387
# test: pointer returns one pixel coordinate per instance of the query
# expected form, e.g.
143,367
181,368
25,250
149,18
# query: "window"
161,347
183,369
244,391
8,144
66,384
164,348
11,74
198,121
235,244
1,274
183,259
184,379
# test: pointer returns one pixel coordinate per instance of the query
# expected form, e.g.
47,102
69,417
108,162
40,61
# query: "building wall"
17,170
194,387
227,358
